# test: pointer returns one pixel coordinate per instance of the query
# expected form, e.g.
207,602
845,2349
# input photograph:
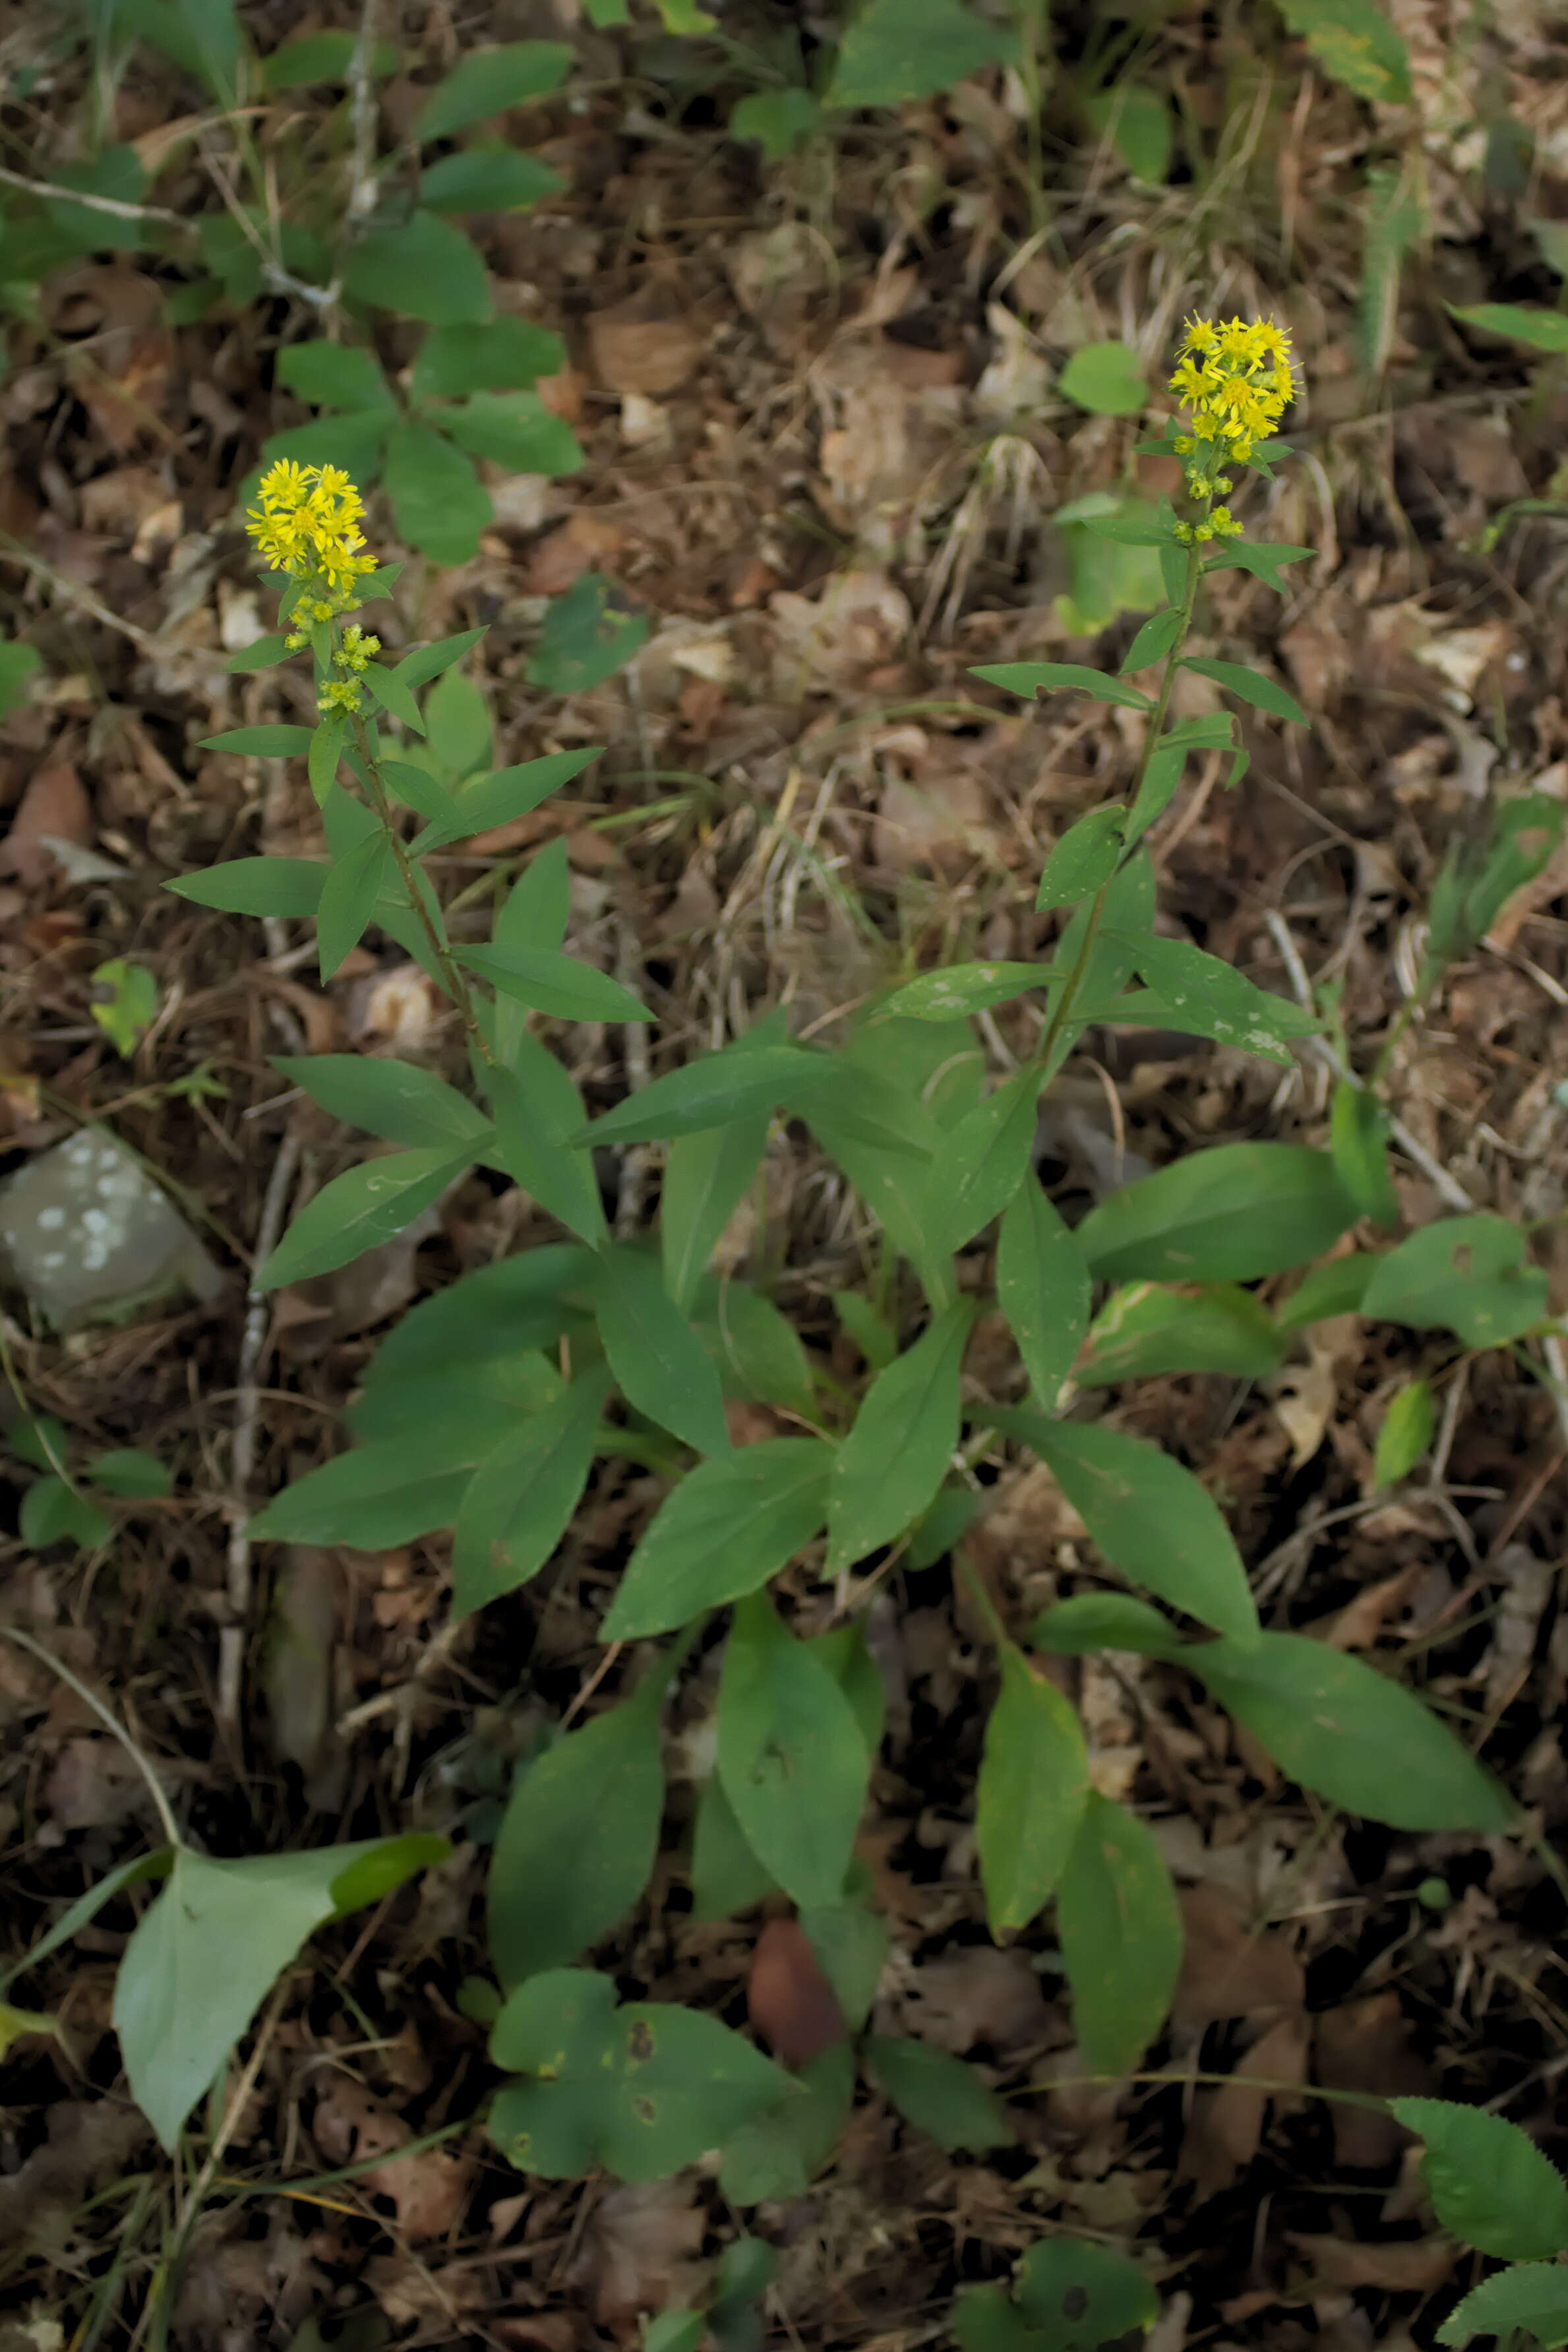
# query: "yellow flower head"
1235,381
307,525
338,694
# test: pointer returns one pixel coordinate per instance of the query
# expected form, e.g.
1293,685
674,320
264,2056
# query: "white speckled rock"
89,1237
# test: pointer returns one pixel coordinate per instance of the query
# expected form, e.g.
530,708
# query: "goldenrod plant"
481,1415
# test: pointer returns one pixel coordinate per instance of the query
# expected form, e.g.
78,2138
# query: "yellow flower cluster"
1235,381
307,525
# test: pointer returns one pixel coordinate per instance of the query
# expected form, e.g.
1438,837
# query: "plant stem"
1075,978
1414,1004
452,977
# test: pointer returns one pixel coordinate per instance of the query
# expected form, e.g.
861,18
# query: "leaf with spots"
643,2089
1069,2296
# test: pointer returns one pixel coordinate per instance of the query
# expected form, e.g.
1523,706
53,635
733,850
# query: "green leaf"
86,1908
1031,678
51,1512
1104,1621
1104,378
1490,2184
1543,330
1139,126
555,983
657,1360
871,1332
208,1949
117,173
1358,1140
1213,732
424,269
1042,1287
1030,1797
958,989
578,1838
1341,1728
1215,999
537,1108
1264,561
585,639
722,1533
726,1876
491,80
520,1500
897,51
476,1343
15,2023
643,2090
487,180
1120,1930
389,1492
791,1759
851,1942
1147,1329
261,742
516,430
740,1081
1071,2296
333,375
1404,1435
1231,1213
778,2155
289,886
780,120
1465,1274
498,799
127,1470
897,1455
1154,641
1133,523
1085,858
425,662
1249,686
493,355
1149,1516
353,442
18,665
356,1210
1354,41
1530,2298
348,899
124,1003
757,1351
1337,1288
440,504
706,1177
938,2094
312,57
391,692
325,755
458,726
265,654
981,1161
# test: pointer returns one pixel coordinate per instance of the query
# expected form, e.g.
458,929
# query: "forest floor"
824,453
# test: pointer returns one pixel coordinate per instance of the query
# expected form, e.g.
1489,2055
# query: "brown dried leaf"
429,2190
1229,1969
638,2254
978,1995
1227,2125
644,344
1401,2266
54,807
792,2005
1365,2047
